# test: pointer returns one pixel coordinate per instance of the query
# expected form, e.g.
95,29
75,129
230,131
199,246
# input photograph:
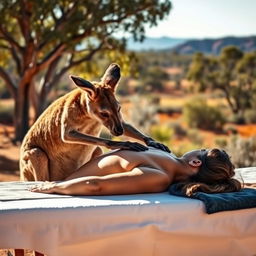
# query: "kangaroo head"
102,103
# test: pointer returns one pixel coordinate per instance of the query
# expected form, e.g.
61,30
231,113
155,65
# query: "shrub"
250,116
230,129
237,119
242,151
161,133
198,114
181,149
178,130
195,137
221,142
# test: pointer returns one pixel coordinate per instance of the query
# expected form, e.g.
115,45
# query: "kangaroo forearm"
80,138
132,132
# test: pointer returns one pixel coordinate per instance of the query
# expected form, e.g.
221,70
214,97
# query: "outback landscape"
191,85
164,99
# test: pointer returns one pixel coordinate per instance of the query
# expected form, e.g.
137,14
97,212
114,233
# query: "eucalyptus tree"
42,40
233,72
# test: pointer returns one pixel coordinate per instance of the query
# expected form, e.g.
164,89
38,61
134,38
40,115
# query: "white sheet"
146,224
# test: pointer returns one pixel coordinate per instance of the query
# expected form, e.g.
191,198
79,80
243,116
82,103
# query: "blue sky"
208,19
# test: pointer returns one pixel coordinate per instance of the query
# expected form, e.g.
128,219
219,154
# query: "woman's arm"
139,180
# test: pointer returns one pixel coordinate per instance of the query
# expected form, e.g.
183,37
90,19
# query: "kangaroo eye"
104,114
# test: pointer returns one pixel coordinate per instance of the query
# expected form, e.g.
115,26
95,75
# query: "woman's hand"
46,187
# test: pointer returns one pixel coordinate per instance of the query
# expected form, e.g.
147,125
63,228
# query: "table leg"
19,252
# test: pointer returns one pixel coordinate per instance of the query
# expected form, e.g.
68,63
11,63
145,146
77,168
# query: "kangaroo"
66,135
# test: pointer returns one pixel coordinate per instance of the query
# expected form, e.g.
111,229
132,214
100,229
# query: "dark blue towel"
246,198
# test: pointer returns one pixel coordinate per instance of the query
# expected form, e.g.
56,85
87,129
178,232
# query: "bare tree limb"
7,37
24,20
17,60
56,52
72,63
5,76
3,46
49,74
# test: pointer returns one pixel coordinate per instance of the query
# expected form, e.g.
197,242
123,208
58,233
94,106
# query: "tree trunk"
41,101
21,112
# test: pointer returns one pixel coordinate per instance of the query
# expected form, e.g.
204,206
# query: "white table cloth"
131,225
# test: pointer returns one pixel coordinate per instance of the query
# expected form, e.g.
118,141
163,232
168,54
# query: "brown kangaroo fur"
66,135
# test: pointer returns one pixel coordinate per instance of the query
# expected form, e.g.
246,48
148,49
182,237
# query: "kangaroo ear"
84,85
111,76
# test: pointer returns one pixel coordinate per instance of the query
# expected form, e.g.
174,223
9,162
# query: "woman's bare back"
125,160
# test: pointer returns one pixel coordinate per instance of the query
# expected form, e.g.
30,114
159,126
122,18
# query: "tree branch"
3,46
5,76
24,20
56,52
17,60
88,57
7,37
128,14
48,76
59,23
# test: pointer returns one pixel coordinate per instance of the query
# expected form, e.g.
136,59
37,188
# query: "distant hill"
151,43
214,46
188,46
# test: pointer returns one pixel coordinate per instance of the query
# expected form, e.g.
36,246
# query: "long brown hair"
215,175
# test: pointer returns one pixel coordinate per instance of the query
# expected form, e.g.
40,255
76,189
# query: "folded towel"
245,198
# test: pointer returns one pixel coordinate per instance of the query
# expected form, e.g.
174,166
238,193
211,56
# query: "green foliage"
242,151
236,118
250,116
163,58
198,114
161,133
230,129
195,137
221,142
40,41
233,73
152,79
178,131
151,69
181,149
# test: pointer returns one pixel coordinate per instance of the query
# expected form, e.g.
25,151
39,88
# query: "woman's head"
214,172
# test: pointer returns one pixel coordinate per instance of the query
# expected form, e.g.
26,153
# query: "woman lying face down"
150,171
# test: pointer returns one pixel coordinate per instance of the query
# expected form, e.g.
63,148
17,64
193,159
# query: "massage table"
157,224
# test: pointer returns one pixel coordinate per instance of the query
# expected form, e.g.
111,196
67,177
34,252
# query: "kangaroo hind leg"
34,165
